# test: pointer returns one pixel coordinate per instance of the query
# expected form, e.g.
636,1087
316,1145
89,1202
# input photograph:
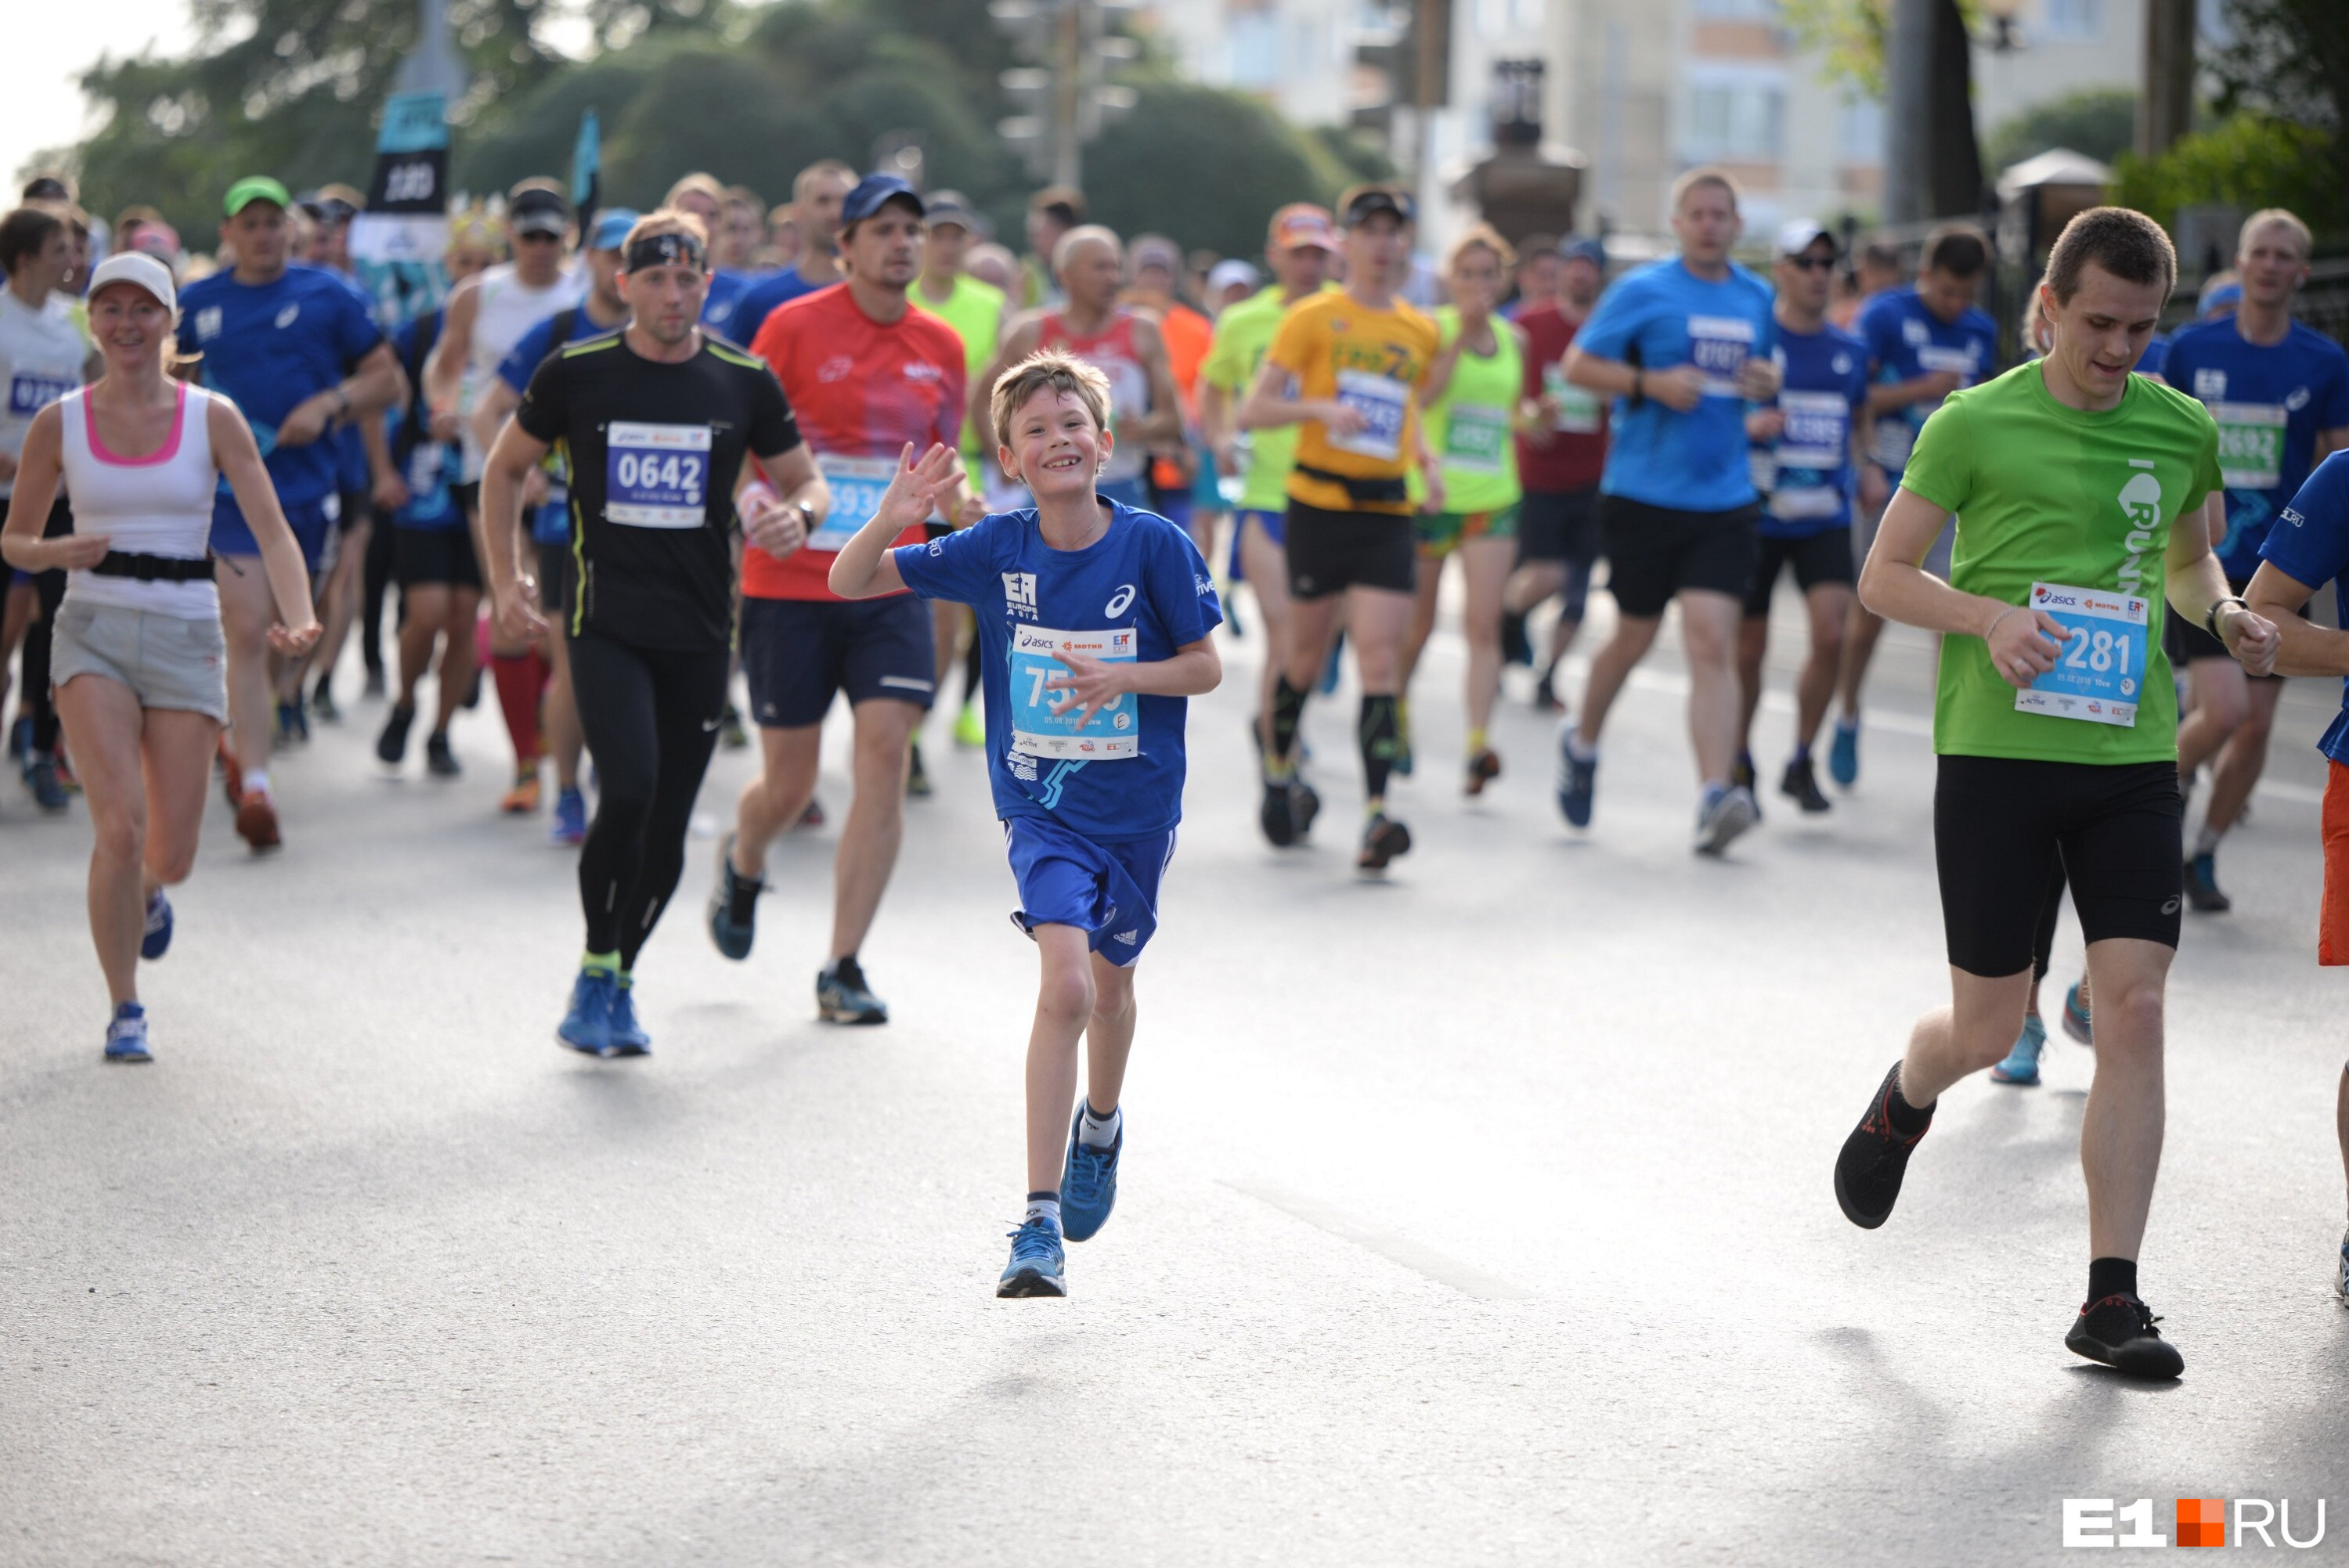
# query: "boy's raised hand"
913,493
1089,684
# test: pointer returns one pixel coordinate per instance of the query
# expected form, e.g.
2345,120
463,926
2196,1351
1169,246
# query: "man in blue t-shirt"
1924,342
1808,461
439,577
817,195
297,350
1093,628
2280,392
1681,346
2309,548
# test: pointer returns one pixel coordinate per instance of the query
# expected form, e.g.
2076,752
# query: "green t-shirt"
1243,333
2046,493
975,310
1472,428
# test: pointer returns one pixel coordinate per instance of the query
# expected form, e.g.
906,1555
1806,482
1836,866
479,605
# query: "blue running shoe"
1578,781
157,940
2022,1064
1036,1262
587,1027
569,829
1843,754
842,996
733,908
2078,1023
2341,1279
126,1037
627,1036
1089,1183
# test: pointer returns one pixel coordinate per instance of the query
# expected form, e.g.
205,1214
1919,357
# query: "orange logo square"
2201,1521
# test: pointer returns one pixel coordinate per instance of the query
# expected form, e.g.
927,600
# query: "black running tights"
651,716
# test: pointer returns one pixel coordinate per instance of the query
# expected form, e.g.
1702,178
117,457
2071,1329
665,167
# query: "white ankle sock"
1043,1208
1099,1132
256,782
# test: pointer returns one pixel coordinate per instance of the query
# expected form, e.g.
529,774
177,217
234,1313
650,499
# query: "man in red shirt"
1560,462
866,372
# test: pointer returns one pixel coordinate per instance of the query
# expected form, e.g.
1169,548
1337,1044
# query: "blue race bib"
2099,675
1111,735
657,475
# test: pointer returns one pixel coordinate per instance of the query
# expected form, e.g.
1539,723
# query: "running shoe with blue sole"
2022,1064
587,1027
1843,754
1037,1262
156,940
569,829
125,1036
627,1036
1088,1182
1578,781
733,907
2077,1021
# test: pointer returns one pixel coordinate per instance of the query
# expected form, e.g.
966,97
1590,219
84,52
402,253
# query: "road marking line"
1420,1260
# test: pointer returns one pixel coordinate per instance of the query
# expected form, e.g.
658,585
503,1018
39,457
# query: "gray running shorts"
167,661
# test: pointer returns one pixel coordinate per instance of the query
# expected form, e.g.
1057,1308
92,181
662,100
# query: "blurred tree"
1852,34
2290,59
2247,160
2098,121
287,87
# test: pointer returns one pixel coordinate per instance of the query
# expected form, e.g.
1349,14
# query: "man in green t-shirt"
1298,248
2056,725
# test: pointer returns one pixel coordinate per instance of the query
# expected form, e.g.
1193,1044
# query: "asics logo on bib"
1120,602
287,316
2140,500
1020,594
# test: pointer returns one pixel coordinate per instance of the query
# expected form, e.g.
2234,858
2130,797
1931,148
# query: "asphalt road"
1481,1216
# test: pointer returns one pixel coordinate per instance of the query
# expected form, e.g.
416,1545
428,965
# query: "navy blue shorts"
1108,891
796,653
1275,528
312,523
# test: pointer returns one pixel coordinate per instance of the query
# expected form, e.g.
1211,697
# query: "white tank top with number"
160,504
509,307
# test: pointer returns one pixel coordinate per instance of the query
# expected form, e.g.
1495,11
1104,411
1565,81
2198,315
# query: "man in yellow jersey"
975,311
1348,369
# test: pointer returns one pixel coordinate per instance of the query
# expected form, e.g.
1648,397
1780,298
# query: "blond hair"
707,184
1702,175
2276,218
1048,370
1481,236
832,168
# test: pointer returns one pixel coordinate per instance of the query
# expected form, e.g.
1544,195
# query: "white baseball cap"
140,269
1797,235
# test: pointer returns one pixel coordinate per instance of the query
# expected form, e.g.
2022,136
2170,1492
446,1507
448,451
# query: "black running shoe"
1875,1157
439,760
1802,785
733,909
2119,1332
2202,886
917,778
842,996
1304,805
1516,648
1546,698
1384,839
391,745
1743,777
1279,824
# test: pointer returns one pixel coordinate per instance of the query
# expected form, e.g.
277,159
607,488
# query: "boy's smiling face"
1056,450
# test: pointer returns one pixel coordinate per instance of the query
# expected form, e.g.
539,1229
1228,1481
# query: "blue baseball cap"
2225,295
611,230
1586,250
875,191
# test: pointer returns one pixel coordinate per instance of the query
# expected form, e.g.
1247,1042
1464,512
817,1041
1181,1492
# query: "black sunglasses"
1813,263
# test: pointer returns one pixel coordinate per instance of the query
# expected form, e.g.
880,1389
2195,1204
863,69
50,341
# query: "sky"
49,47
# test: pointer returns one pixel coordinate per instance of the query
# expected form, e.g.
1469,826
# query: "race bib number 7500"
1113,733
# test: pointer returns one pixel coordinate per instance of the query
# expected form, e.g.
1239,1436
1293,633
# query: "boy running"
1080,602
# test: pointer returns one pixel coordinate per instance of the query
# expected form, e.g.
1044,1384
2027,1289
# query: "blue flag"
586,171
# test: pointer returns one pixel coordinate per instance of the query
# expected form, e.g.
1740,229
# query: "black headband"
662,251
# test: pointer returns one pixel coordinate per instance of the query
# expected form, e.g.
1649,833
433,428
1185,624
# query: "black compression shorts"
1817,558
1656,551
1330,552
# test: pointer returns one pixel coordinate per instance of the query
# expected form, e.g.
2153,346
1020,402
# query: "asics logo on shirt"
2298,400
287,316
1915,331
1020,594
1120,602
1842,363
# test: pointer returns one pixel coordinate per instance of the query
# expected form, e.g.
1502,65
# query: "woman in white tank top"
137,651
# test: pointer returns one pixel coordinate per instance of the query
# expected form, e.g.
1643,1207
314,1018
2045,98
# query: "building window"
1741,121
1859,131
2070,21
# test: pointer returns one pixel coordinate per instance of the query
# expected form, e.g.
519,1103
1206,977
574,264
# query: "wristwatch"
2211,616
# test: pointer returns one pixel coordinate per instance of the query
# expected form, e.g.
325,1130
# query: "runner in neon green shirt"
1477,403
2057,726
1297,250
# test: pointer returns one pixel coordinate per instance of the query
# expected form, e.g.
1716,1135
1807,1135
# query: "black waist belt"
154,567
1364,491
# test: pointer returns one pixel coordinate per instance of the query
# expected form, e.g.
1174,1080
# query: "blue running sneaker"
569,829
1843,754
1089,1183
126,1037
2022,1064
587,1027
842,996
2078,1023
157,939
1578,781
1036,1262
2341,1279
627,1036
733,908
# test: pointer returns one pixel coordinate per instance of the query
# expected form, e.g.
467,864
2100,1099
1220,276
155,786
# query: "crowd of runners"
658,482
